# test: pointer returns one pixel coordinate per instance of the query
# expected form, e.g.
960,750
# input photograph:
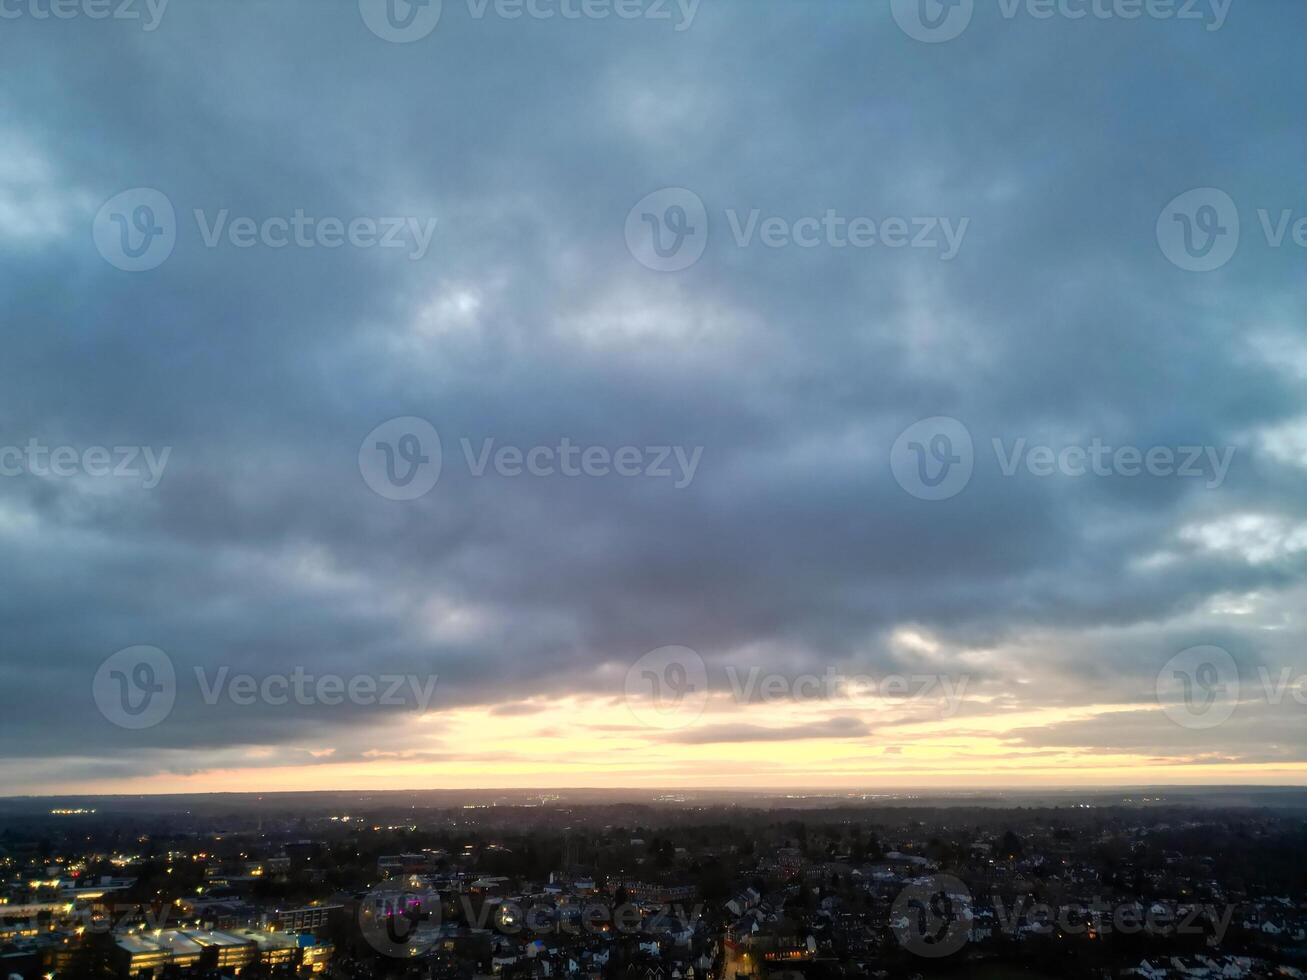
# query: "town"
352,886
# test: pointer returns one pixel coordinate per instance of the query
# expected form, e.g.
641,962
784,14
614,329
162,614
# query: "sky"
642,393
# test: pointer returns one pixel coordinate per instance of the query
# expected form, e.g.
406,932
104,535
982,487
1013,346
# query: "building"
309,918
273,948
148,954
395,865
184,952
655,893
137,955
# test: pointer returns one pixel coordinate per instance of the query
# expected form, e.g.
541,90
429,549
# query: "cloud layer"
528,321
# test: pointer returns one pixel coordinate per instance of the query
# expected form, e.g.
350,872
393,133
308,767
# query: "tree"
1011,846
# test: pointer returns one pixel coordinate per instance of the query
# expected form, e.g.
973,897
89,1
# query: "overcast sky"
462,233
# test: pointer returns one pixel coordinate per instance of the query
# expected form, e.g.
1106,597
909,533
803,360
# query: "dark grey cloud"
1255,734
262,549
841,726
